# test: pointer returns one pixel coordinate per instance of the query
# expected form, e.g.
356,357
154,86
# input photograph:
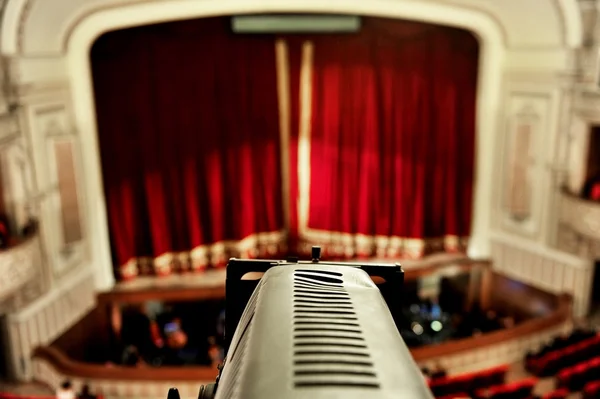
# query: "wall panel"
46,319
545,268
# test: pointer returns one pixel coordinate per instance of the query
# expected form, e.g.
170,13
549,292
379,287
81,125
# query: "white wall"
46,319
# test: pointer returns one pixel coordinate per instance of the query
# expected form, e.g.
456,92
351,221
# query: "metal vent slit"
320,384
320,278
333,362
325,301
323,311
322,306
318,287
327,328
330,352
338,274
315,336
335,372
321,292
326,324
332,318
332,344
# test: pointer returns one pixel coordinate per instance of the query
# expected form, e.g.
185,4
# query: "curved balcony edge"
581,215
524,330
19,265
68,367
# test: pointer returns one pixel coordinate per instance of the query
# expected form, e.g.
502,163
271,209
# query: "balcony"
579,226
18,266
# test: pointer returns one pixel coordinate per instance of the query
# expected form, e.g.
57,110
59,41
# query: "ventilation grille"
329,345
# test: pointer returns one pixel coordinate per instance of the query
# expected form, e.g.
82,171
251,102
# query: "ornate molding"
9,128
580,226
25,10
586,103
19,266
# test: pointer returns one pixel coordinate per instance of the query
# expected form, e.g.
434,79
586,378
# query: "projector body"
314,330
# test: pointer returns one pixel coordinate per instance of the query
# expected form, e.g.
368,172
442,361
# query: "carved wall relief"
525,145
521,164
57,164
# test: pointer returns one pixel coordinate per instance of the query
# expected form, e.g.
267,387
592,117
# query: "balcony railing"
18,265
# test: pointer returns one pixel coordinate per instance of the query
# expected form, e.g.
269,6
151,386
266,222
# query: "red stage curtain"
189,135
392,140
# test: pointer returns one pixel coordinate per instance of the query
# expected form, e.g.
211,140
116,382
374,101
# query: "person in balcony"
66,391
591,188
86,393
177,350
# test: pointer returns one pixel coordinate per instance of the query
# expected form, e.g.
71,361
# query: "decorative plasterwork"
587,105
527,141
580,226
558,21
18,266
9,128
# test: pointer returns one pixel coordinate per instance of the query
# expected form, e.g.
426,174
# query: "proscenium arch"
39,28
90,28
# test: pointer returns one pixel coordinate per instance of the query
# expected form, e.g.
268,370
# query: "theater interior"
144,143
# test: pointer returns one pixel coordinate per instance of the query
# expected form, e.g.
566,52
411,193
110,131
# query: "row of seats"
592,389
522,389
470,382
553,362
574,378
561,342
561,393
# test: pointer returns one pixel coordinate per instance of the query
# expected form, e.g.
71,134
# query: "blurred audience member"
66,391
85,393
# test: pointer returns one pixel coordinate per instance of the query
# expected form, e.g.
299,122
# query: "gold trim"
283,96
198,259
304,136
360,245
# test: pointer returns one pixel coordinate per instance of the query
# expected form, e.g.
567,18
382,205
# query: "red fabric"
294,46
551,360
188,128
392,134
557,394
189,136
595,192
592,389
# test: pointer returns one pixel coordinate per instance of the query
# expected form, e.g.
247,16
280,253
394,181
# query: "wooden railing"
522,330
545,313
70,367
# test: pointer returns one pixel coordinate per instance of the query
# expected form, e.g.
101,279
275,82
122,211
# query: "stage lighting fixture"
436,326
417,328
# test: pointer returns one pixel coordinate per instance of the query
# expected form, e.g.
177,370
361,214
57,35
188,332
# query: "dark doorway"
596,286
4,349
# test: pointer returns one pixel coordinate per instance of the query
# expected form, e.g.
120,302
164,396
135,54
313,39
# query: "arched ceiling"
43,27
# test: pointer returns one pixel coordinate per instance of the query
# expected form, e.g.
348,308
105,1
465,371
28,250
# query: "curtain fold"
189,139
391,140
378,129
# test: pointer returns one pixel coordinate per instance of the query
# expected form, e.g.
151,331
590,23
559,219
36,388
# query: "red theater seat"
555,361
468,382
515,390
460,395
592,390
574,378
557,394
489,377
